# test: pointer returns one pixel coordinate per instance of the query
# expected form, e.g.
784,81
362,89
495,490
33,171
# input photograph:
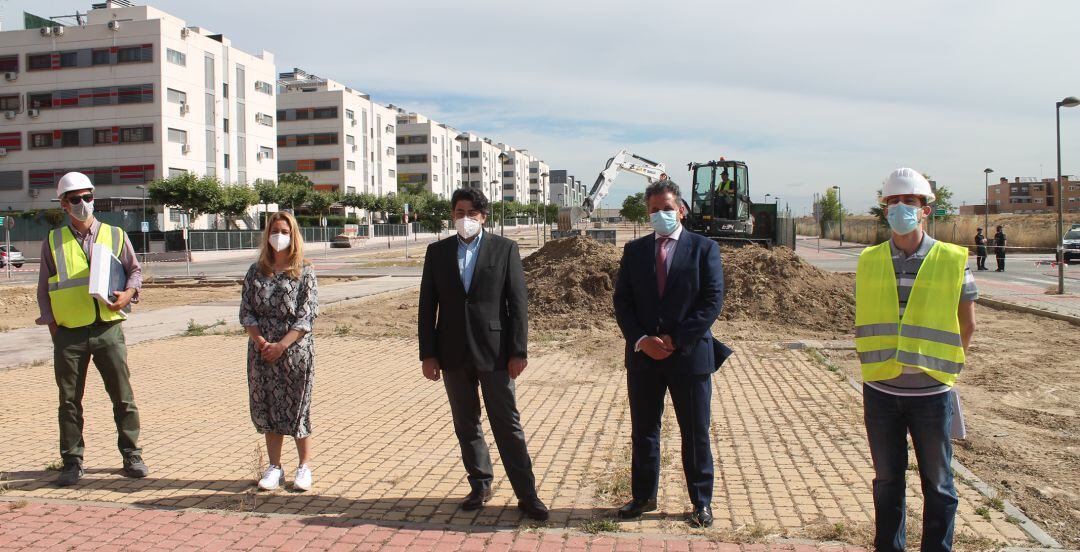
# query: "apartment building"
1032,195
334,135
564,189
130,95
480,165
539,181
515,173
428,154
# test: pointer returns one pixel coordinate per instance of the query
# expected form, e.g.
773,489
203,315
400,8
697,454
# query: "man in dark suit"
474,330
669,291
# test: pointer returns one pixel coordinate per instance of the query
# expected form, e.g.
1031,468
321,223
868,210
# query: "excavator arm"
621,161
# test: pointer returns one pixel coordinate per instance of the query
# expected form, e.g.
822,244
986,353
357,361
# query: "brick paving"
789,445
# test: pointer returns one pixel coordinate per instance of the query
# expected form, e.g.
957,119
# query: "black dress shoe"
702,516
534,508
476,499
635,508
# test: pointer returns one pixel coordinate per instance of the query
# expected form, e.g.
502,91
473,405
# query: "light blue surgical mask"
903,219
664,222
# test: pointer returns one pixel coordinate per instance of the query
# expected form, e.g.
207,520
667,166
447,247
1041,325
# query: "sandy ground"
1019,393
18,305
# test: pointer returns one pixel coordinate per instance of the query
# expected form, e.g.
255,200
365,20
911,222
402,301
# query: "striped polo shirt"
913,381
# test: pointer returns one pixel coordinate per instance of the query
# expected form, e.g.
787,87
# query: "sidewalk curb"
967,476
1005,305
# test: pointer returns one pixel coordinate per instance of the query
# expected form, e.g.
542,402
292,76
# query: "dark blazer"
481,329
693,298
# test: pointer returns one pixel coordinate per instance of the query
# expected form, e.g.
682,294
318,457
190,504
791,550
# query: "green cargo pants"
72,350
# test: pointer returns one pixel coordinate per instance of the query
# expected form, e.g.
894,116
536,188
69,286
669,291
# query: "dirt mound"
570,283
776,285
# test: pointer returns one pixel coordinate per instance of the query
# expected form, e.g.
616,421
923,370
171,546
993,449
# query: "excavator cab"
720,205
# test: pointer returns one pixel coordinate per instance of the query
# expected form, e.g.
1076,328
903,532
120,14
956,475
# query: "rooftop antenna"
78,18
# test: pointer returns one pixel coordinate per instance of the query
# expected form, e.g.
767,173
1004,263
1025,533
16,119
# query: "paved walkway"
45,526
30,345
789,444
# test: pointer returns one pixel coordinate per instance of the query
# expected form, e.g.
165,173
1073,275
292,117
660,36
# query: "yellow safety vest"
69,288
928,336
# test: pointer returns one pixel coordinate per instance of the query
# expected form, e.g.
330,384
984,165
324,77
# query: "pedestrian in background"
85,328
999,248
278,308
668,293
980,250
914,318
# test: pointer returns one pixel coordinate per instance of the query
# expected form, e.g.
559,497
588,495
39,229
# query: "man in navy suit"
669,291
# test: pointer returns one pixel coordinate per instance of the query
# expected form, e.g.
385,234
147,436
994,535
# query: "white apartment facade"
132,95
428,154
515,173
480,165
539,181
334,135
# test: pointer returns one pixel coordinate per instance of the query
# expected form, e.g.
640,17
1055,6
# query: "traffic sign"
144,227
940,212
8,222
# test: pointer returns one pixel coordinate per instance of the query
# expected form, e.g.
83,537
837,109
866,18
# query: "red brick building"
1029,195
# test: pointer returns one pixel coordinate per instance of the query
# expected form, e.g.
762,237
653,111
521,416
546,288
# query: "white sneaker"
272,478
302,481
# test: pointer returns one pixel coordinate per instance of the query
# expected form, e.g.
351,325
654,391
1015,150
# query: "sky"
809,94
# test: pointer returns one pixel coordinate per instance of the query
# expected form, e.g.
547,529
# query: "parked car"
1070,243
341,240
16,257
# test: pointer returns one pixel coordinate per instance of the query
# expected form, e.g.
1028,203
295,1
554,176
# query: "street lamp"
146,235
986,200
543,201
502,223
502,197
1069,101
841,202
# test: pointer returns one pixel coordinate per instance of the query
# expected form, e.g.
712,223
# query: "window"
9,103
136,134
434,178
263,87
102,136
177,136
391,172
241,117
533,170
9,63
225,90
41,140
173,171
175,96
419,139
226,161
39,61
69,59
225,125
178,58
267,153
241,78
133,54
325,138
434,140
69,138
323,164
474,154
434,158
326,113
508,173
351,165
350,115
350,139
264,119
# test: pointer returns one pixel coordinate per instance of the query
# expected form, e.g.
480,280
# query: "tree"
293,189
235,200
829,207
634,209
319,202
188,193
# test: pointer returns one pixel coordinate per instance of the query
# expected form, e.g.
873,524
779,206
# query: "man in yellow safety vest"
914,318
85,328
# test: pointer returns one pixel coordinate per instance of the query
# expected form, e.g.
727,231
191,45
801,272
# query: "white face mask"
279,241
82,211
467,227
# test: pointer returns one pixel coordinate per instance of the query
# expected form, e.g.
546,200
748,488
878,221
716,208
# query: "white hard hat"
73,181
905,181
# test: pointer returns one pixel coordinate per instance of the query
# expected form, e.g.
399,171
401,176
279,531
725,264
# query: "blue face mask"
664,222
903,219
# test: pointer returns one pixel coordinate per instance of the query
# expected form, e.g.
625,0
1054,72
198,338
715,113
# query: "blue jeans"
889,418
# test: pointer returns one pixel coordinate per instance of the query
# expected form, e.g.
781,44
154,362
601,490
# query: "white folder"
107,275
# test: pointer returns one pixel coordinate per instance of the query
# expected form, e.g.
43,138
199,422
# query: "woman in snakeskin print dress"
278,308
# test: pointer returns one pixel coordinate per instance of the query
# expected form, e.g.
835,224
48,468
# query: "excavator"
719,201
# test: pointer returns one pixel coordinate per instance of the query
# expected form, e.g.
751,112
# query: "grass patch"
614,485
55,465
196,329
746,534
984,512
1012,519
3,485
342,330
996,503
912,466
859,534
18,504
596,526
